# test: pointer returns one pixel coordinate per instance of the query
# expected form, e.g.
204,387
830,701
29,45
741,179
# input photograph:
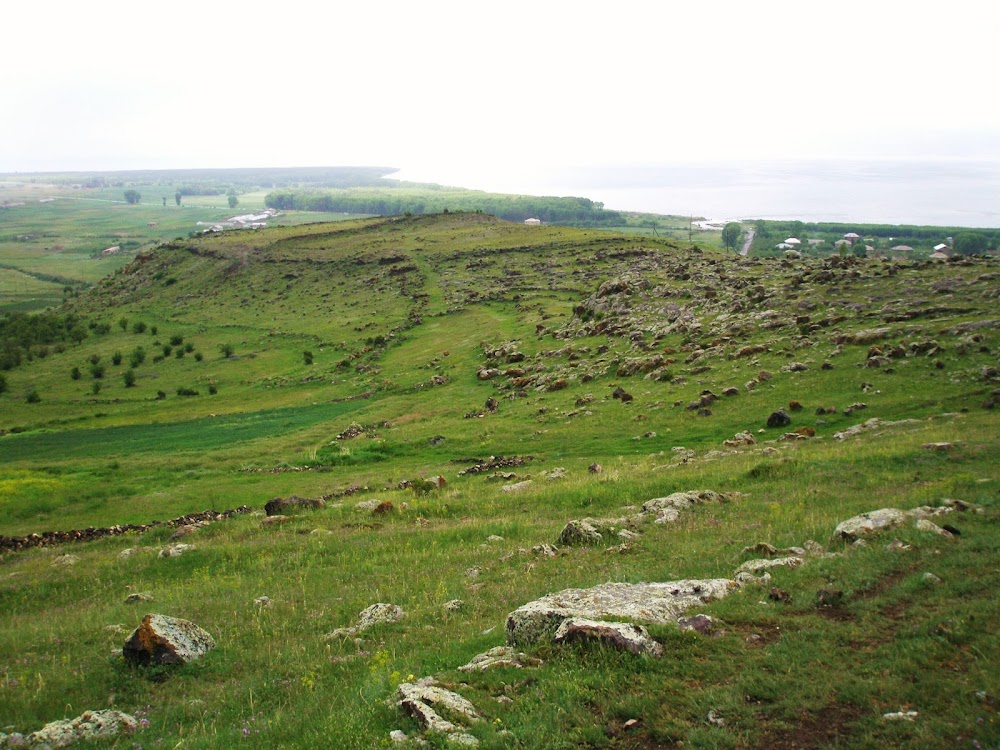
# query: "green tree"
177,197
731,235
233,200
971,243
129,378
132,196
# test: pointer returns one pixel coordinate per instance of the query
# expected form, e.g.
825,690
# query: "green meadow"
351,360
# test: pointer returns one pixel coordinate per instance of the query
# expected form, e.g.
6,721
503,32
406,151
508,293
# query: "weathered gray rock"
756,567
65,561
139,596
501,656
682,501
623,636
517,486
868,523
166,640
922,524
580,532
656,603
88,726
422,701
175,550
369,617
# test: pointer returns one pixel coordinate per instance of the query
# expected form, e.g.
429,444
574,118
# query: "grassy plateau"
351,360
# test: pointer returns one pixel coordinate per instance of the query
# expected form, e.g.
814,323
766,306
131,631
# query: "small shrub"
198,357
176,340
167,349
189,347
179,353
137,357
123,324
3,383
157,358
153,330
183,391
32,397
75,373
226,349
94,359
171,281
97,371
116,358
308,357
212,389
129,378
160,395
139,327
95,388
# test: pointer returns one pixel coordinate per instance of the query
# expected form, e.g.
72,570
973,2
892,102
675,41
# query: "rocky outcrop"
166,640
622,636
869,523
657,603
90,725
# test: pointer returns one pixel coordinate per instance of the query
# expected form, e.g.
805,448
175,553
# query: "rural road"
749,241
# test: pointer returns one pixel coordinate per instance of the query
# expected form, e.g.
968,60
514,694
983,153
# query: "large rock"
501,656
756,567
624,636
167,640
779,418
422,701
281,506
88,726
682,501
868,523
657,603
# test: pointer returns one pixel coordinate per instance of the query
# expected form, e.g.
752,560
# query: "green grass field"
411,325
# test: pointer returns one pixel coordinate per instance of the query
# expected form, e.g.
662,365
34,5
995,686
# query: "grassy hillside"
350,360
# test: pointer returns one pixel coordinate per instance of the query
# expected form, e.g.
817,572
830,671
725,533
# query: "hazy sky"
120,85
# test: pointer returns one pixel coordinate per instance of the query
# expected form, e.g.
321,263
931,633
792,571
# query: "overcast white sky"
128,85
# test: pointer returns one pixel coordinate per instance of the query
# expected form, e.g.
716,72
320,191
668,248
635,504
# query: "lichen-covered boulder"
657,603
755,567
166,640
624,636
89,725
871,522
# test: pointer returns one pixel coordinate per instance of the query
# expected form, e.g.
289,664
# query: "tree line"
391,202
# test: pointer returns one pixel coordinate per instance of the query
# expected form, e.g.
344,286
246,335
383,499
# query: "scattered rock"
755,567
740,438
931,578
779,418
262,601
454,605
623,636
595,468
868,523
65,561
166,640
175,550
901,716
779,595
138,597
580,532
90,725
545,550
941,447
657,603
501,656
420,702
829,598
125,554
517,486
376,614
286,505
701,624
922,524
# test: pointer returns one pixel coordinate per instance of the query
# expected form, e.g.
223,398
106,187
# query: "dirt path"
749,241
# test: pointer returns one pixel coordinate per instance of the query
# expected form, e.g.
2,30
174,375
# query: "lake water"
933,192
